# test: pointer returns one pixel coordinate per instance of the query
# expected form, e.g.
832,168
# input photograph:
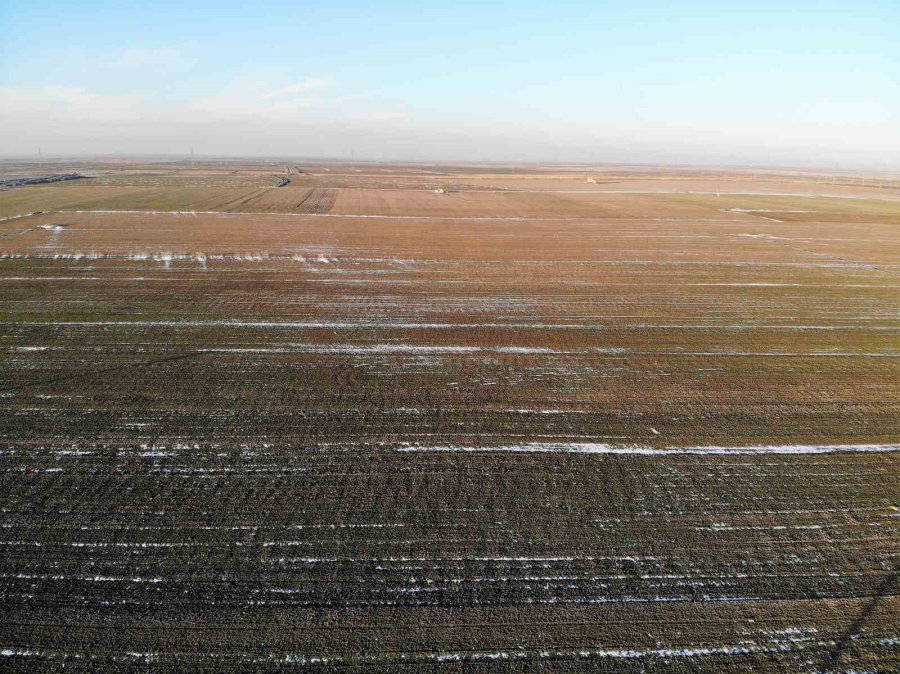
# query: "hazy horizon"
215,159
813,86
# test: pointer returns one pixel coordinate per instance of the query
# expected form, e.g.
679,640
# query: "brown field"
533,423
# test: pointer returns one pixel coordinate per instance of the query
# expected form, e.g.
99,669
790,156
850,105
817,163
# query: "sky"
801,83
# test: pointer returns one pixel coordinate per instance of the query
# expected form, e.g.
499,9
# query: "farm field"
525,422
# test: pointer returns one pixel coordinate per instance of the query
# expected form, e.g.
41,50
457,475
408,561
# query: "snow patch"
603,448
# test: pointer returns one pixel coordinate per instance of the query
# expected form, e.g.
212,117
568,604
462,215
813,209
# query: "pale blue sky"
760,82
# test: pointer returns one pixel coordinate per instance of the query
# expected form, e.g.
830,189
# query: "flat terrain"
422,418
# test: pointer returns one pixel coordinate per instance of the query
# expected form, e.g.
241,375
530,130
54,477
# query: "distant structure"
593,181
40,180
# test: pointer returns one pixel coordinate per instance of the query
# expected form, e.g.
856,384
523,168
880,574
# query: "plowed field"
644,424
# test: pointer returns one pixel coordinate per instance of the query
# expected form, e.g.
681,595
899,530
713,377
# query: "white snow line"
603,448
353,216
350,349
16,217
767,237
401,325
764,210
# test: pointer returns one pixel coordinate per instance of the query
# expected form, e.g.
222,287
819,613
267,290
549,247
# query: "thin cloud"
169,58
300,119
22,106
302,87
